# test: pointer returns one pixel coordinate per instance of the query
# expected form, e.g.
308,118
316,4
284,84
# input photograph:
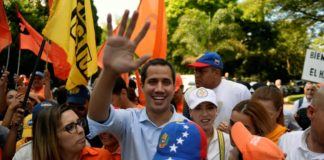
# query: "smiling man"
137,130
208,74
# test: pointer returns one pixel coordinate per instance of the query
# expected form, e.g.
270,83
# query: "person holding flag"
70,26
137,130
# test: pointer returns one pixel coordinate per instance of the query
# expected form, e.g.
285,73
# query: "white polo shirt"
294,145
229,94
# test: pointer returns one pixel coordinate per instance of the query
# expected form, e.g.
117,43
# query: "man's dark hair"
119,85
61,95
155,62
132,84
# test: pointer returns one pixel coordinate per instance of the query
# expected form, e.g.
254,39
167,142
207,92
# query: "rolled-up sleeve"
115,124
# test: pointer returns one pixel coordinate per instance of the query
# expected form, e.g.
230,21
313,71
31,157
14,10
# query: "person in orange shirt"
272,100
120,97
178,99
41,85
111,144
58,134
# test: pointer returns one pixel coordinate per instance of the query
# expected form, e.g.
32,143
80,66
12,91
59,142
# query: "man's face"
80,109
207,77
158,88
309,91
37,82
316,115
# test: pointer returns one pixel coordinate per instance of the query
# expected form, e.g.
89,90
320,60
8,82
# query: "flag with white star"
181,141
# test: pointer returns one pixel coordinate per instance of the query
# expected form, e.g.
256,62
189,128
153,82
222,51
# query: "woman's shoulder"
89,153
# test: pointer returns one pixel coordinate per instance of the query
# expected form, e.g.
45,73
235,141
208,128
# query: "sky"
115,7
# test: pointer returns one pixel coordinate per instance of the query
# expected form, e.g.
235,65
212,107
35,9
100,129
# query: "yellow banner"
70,25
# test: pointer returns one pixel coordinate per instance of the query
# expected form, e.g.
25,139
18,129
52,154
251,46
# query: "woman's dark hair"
273,94
258,114
45,128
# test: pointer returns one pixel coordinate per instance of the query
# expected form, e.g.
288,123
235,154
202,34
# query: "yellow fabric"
27,127
21,142
276,133
70,25
221,143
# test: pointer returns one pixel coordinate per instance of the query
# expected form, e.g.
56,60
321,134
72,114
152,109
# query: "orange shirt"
90,153
180,106
40,93
116,155
276,133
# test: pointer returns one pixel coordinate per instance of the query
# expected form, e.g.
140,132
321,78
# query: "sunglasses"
73,126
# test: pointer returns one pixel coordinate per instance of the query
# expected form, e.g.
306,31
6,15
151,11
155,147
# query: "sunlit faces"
309,90
316,115
74,141
10,96
204,115
271,109
38,82
158,88
245,119
206,77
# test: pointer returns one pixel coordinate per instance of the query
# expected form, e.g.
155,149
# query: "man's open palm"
119,51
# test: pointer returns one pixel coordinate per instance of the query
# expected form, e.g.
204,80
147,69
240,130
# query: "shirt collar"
88,151
302,143
144,117
215,136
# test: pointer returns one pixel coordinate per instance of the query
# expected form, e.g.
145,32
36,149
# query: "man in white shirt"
308,144
208,74
304,102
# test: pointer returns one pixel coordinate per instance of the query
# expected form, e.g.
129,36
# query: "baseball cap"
183,140
78,95
28,120
209,59
200,95
178,82
40,106
254,147
38,73
27,126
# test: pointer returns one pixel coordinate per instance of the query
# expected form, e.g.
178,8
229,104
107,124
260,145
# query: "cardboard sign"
314,66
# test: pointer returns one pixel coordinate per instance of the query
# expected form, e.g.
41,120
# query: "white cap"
199,95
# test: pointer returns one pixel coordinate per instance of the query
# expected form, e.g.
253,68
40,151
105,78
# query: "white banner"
314,66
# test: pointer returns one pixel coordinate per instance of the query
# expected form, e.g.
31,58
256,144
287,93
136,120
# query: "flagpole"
46,64
8,57
18,65
31,79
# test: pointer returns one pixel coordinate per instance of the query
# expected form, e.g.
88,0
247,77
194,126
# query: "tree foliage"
265,39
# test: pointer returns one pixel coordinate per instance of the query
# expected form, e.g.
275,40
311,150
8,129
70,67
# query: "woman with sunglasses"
58,134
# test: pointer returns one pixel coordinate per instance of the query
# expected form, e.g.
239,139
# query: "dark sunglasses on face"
72,127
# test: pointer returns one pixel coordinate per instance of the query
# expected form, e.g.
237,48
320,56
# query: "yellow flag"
70,25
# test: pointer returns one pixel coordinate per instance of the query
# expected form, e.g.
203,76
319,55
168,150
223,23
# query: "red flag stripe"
5,35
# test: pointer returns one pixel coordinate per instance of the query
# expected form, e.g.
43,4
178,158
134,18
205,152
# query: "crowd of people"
218,119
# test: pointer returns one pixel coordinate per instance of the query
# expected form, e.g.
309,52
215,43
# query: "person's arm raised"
118,58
